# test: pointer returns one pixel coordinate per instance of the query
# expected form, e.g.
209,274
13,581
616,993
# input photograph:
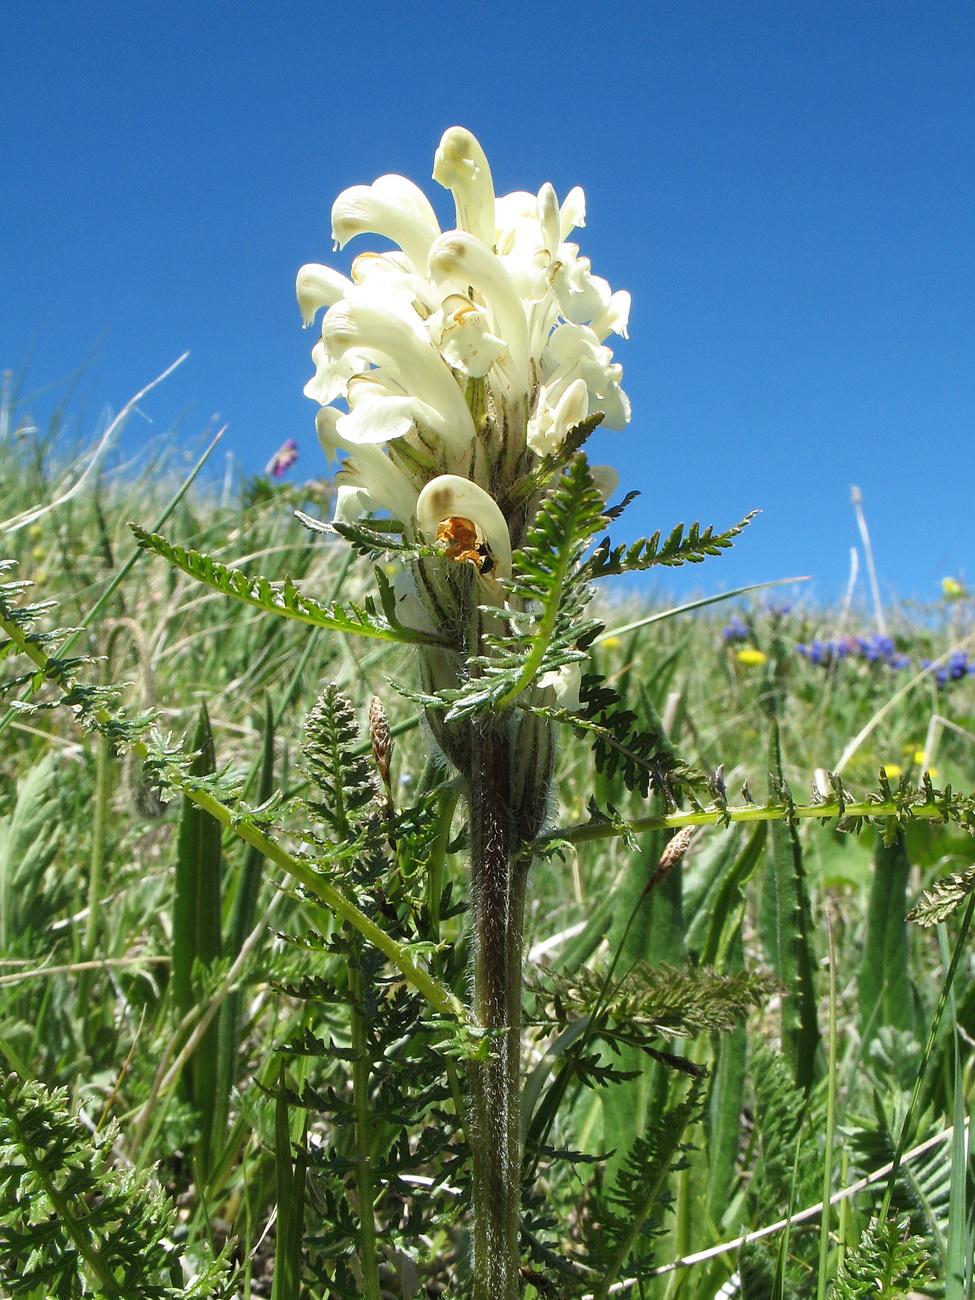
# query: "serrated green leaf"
282,598
676,550
944,898
886,1263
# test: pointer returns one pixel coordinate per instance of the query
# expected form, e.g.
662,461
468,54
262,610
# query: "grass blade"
290,1180
886,993
197,938
784,926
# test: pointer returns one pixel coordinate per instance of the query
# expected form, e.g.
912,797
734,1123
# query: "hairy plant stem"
498,876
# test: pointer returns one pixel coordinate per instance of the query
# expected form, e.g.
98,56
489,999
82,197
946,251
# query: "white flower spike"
448,366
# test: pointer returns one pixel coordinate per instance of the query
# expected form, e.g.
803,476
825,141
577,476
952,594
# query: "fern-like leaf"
944,898
630,1215
549,578
374,542
555,462
344,776
783,1108
643,759
656,1001
886,1263
675,549
71,1224
282,598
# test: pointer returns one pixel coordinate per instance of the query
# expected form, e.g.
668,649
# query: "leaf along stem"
439,997
585,832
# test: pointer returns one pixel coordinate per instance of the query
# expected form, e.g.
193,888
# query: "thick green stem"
498,875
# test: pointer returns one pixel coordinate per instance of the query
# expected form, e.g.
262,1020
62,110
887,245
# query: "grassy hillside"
709,1049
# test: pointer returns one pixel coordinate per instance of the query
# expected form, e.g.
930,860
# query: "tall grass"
172,982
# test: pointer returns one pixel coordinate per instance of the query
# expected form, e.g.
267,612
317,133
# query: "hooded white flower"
459,350
471,516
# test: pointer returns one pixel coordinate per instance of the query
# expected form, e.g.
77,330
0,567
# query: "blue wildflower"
957,667
736,630
875,648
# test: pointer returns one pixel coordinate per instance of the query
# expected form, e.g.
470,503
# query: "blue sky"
786,189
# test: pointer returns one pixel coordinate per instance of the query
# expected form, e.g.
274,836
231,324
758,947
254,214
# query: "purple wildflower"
283,458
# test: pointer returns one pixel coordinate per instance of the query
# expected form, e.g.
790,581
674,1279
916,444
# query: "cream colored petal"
450,496
332,374
605,480
548,427
319,286
361,325
393,207
511,211
574,352
615,318
460,166
460,259
392,273
379,411
616,407
606,395
529,275
325,421
572,214
566,683
548,217
375,420
387,485
465,340
572,409
351,502
410,609
581,295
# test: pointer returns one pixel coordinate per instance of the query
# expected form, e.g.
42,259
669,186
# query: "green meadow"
217,1080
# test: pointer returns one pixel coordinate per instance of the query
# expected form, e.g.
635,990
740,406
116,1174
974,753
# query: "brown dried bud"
671,856
382,741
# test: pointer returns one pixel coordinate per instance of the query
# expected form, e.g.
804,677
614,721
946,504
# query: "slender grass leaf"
886,993
785,927
726,1104
290,1183
197,938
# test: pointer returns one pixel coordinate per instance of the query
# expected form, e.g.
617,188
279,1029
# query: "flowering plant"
463,373
461,376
